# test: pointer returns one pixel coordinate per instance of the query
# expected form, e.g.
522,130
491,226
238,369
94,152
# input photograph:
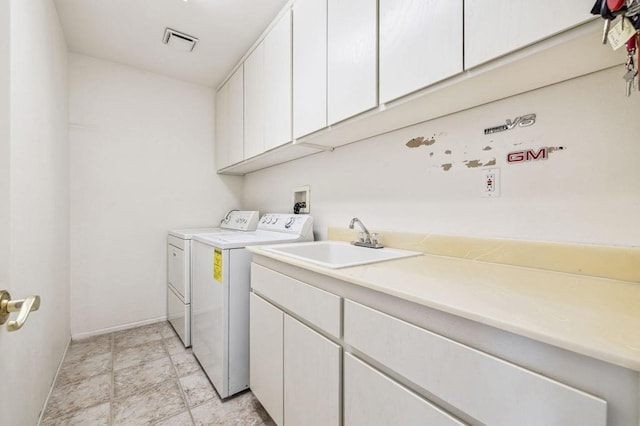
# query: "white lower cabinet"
319,358
371,399
295,371
311,377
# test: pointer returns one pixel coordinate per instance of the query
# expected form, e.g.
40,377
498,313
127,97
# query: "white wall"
37,201
589,192
142,162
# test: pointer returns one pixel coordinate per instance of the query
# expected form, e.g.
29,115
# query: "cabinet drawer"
371,398
486,388
316,306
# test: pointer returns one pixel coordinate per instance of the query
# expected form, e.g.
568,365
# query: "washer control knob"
289,222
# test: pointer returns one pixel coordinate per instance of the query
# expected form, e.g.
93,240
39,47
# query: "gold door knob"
23,306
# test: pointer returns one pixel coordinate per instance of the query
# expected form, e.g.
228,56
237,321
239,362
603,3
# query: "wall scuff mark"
419,141
551,149
465,149
472,163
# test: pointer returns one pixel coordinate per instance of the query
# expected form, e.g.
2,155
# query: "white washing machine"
179,249
220,303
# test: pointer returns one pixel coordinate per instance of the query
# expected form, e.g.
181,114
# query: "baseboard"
87,334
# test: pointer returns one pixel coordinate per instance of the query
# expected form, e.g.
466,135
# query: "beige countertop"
597,317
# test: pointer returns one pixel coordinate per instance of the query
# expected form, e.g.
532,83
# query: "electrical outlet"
491,183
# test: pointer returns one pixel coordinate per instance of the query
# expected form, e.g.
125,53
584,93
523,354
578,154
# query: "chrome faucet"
367,239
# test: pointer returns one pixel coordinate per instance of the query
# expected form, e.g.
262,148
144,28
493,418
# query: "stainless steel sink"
338,254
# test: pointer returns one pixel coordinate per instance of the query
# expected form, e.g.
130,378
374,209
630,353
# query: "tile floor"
142,376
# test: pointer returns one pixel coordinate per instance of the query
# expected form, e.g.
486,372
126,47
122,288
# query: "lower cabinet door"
266,344
312,393
371,398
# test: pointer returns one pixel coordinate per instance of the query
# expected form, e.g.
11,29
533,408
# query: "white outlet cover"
490,184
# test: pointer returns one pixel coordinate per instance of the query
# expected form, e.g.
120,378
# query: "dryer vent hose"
298,206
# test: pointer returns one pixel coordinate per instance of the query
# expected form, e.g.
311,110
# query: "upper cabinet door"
229,122
495,27
309,66
420,44
277,64
236,117
222,127
254,106
352,58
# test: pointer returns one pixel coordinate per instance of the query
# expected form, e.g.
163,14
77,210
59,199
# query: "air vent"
178,40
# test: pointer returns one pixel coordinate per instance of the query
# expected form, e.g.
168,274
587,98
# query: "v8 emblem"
522,121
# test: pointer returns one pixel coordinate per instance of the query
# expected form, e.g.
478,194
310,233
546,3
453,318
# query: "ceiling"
130,32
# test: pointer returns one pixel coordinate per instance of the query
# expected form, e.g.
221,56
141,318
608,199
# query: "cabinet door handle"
23,306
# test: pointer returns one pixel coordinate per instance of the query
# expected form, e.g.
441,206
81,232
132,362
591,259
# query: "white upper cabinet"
420,44
309,66
277,95
493,28
254,88
229,121
322,62
352,58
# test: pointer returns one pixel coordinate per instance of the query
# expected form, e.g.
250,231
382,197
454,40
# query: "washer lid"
243,239
188,233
